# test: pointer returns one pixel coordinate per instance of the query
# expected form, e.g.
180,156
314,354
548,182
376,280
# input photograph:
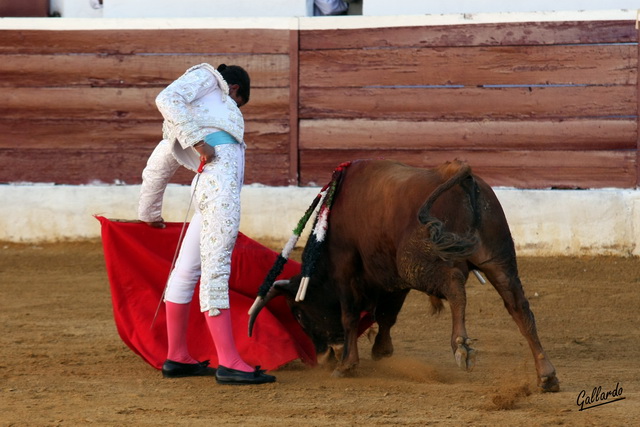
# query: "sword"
175,254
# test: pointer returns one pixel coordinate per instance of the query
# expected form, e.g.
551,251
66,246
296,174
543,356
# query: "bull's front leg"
465,356
350,357
386,314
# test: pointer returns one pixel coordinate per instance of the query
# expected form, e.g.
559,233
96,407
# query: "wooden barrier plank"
521,169
78,134
127,42
84,100
90,134
115,166
82,103
119,104
523,65
267,168
265,70
579,135
494,34
468,102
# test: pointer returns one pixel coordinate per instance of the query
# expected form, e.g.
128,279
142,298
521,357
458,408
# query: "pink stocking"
222,335
177,321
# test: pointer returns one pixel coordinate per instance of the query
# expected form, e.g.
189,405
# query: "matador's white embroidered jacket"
193,106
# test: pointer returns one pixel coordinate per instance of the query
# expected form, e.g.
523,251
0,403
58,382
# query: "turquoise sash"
219,138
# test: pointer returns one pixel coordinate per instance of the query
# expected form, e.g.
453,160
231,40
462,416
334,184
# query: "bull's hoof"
342,372
331,356
382,347
338,374
378,355
381,351
465,355
338,350
327,360
549,384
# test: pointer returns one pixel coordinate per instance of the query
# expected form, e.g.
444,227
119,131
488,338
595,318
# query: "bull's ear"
288,287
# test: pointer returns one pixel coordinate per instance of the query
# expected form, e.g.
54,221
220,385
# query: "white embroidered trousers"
208,243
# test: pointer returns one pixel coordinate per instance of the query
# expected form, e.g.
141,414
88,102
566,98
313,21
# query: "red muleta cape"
138,259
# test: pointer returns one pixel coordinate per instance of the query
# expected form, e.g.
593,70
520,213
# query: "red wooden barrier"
529,105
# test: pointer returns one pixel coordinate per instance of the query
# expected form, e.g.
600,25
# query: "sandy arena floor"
63,363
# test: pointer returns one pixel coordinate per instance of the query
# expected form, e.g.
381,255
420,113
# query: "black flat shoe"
171,369
226,375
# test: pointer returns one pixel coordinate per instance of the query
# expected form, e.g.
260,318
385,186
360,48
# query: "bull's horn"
260,302
257,303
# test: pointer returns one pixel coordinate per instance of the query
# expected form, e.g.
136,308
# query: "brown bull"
394,228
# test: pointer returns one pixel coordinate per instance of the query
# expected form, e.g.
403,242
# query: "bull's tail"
447,245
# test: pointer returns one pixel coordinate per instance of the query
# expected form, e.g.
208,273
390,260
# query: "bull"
394,228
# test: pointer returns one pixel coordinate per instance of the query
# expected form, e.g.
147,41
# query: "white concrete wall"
306,23
543,222
208,8
76,8
298,8
181,8
438,7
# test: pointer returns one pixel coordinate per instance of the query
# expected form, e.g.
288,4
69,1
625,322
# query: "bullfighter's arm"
156,175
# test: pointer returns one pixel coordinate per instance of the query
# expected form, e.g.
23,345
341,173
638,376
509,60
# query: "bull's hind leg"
386,314
510,289
460,343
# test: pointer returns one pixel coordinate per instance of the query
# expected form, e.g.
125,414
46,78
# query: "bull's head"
318,314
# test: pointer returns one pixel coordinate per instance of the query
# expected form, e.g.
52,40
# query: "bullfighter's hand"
207,153
156,224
